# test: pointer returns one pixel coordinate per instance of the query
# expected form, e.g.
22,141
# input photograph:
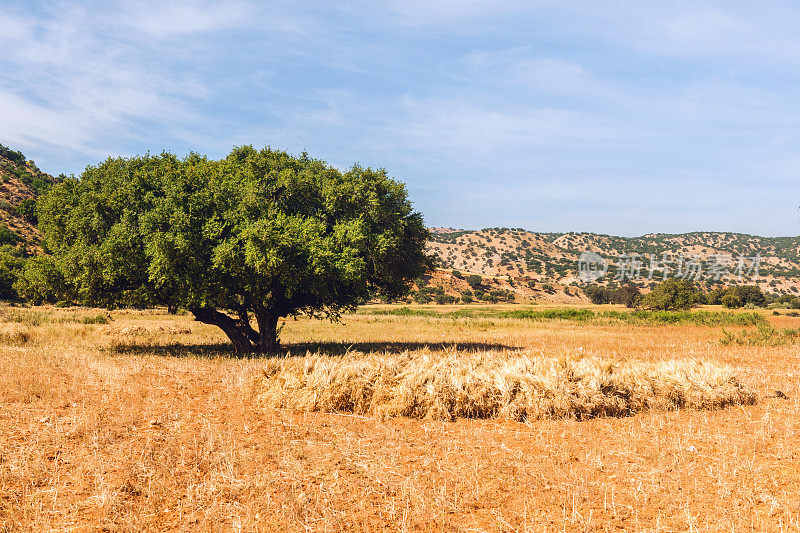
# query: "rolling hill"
521,260
21,182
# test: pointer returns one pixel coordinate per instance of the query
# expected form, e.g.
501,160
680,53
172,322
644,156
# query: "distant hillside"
526,258
21,182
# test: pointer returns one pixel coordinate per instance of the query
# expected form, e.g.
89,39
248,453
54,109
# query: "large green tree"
259,234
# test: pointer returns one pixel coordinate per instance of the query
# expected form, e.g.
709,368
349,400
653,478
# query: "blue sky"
613,117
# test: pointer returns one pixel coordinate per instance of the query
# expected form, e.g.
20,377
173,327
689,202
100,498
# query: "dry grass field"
148,422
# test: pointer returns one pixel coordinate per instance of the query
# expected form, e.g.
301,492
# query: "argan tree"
673,294
260,234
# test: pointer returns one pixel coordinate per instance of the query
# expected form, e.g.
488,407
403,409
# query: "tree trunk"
268,330
235,331
244,320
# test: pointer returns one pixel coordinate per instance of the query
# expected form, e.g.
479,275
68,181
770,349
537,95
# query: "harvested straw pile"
508,385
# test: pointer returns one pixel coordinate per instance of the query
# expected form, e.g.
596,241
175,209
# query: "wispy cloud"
679,107
171,19
91,81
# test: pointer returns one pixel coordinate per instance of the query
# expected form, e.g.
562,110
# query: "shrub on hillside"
474,280
8,236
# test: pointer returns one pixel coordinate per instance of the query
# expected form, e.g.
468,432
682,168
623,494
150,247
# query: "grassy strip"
37,318
764,335
707,318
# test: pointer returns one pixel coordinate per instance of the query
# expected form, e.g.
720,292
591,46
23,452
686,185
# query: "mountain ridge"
515,254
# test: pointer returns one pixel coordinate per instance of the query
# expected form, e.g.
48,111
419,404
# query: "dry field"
147,422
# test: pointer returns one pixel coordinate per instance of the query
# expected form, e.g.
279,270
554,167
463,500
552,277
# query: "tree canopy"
259,233
673,294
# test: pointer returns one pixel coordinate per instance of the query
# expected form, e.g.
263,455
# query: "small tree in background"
629,295
474,281
738,296
673,294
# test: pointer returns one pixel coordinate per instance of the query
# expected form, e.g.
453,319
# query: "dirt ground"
149,423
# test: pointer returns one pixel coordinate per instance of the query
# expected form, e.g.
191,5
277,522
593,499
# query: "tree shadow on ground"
325,348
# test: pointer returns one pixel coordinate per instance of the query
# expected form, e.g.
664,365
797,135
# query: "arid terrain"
140,420
542,265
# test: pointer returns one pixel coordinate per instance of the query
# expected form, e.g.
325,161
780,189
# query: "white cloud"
707,28
27,124
87,80
466,128
522,67
177,18
437,12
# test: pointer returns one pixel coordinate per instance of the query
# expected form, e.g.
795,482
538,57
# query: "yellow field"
149,422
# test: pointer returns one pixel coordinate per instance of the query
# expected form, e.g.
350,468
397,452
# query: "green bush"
738,296
27,210
41,280
673,294
444,299
10,267
474,280
99,319
7,236
551,314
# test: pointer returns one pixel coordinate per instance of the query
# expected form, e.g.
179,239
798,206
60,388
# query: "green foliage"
764,335
474,280
467,296
456,274
260,232
99,319
11,155
551,314
10,266
628,295
738,296
8,236
637,318
27,210
705,318
673,294
444,299
501,295
42,280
